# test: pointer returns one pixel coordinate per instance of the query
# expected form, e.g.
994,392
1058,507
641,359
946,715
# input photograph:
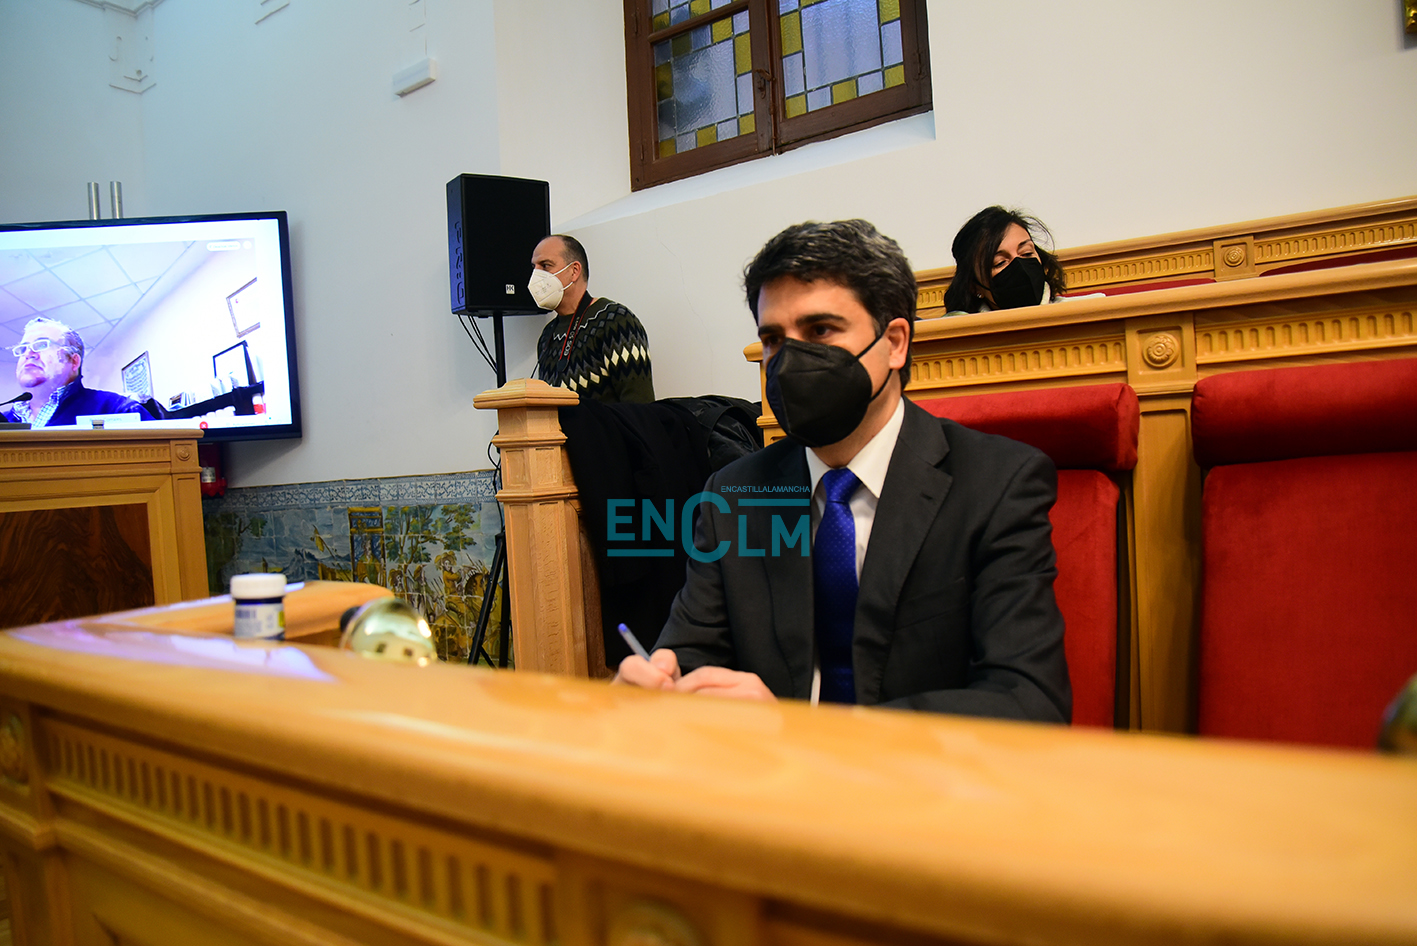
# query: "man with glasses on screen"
49,366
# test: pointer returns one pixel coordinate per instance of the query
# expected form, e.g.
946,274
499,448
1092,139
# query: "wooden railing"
158,785
312,612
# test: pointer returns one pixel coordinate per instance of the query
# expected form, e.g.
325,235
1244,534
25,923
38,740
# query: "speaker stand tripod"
497,571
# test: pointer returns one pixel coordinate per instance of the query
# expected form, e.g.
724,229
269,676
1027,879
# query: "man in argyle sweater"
595,347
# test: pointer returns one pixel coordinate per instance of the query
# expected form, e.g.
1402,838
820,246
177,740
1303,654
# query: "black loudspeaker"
494,224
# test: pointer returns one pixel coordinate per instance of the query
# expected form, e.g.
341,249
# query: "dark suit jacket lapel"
790,579
910,501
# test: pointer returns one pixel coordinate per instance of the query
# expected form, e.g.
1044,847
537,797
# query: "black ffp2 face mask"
819,393
1018,284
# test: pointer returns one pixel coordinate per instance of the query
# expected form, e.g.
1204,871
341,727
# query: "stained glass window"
836,50
713,82
703,79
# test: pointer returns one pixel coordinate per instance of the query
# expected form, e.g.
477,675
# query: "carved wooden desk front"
94,521
164,787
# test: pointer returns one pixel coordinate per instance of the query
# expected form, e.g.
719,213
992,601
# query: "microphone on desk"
17,399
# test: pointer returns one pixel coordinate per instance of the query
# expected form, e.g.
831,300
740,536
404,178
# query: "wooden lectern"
98,520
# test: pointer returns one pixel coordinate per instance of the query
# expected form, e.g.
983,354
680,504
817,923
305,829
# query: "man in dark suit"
930,579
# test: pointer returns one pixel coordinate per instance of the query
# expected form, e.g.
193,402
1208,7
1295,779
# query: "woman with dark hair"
998,264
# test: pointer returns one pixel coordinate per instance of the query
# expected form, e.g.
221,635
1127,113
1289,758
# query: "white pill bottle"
260,606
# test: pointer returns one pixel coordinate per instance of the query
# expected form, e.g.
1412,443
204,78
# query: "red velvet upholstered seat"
1144,287
1309,530
1089,433
1376,256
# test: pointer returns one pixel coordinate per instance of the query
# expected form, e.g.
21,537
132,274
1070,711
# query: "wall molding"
1017,363
1353,330
130,7
381,866
130,42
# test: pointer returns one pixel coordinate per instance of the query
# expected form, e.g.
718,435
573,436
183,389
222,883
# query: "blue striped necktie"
834,587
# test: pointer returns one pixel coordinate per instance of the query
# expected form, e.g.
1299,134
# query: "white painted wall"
1107,118
193,318
296,113
59,126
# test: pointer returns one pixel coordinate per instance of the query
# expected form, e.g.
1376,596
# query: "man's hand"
660,672
720,681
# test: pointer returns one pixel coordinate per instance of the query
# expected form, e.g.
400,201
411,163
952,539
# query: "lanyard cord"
574,327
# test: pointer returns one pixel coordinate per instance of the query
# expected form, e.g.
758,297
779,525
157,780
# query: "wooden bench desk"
162,783
248,793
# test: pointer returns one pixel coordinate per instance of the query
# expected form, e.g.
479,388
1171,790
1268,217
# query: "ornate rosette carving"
1162,350
652,924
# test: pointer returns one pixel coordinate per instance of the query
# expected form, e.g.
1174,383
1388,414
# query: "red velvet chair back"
1309,532
1090,433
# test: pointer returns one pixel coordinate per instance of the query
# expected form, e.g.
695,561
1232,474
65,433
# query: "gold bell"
389,629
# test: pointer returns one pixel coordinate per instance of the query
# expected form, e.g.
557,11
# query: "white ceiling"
92,289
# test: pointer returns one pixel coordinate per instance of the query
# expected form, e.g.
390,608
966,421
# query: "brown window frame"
773,131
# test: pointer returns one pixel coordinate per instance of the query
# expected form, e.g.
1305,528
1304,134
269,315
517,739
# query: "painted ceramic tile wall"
429,539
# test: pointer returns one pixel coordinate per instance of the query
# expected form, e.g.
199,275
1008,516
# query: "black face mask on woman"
1018,284
819,393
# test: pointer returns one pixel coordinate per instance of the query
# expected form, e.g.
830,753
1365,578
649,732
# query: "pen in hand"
634,642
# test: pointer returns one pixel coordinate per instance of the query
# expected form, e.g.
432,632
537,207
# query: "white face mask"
546,290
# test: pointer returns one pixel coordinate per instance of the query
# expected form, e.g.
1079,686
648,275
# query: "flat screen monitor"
189,315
